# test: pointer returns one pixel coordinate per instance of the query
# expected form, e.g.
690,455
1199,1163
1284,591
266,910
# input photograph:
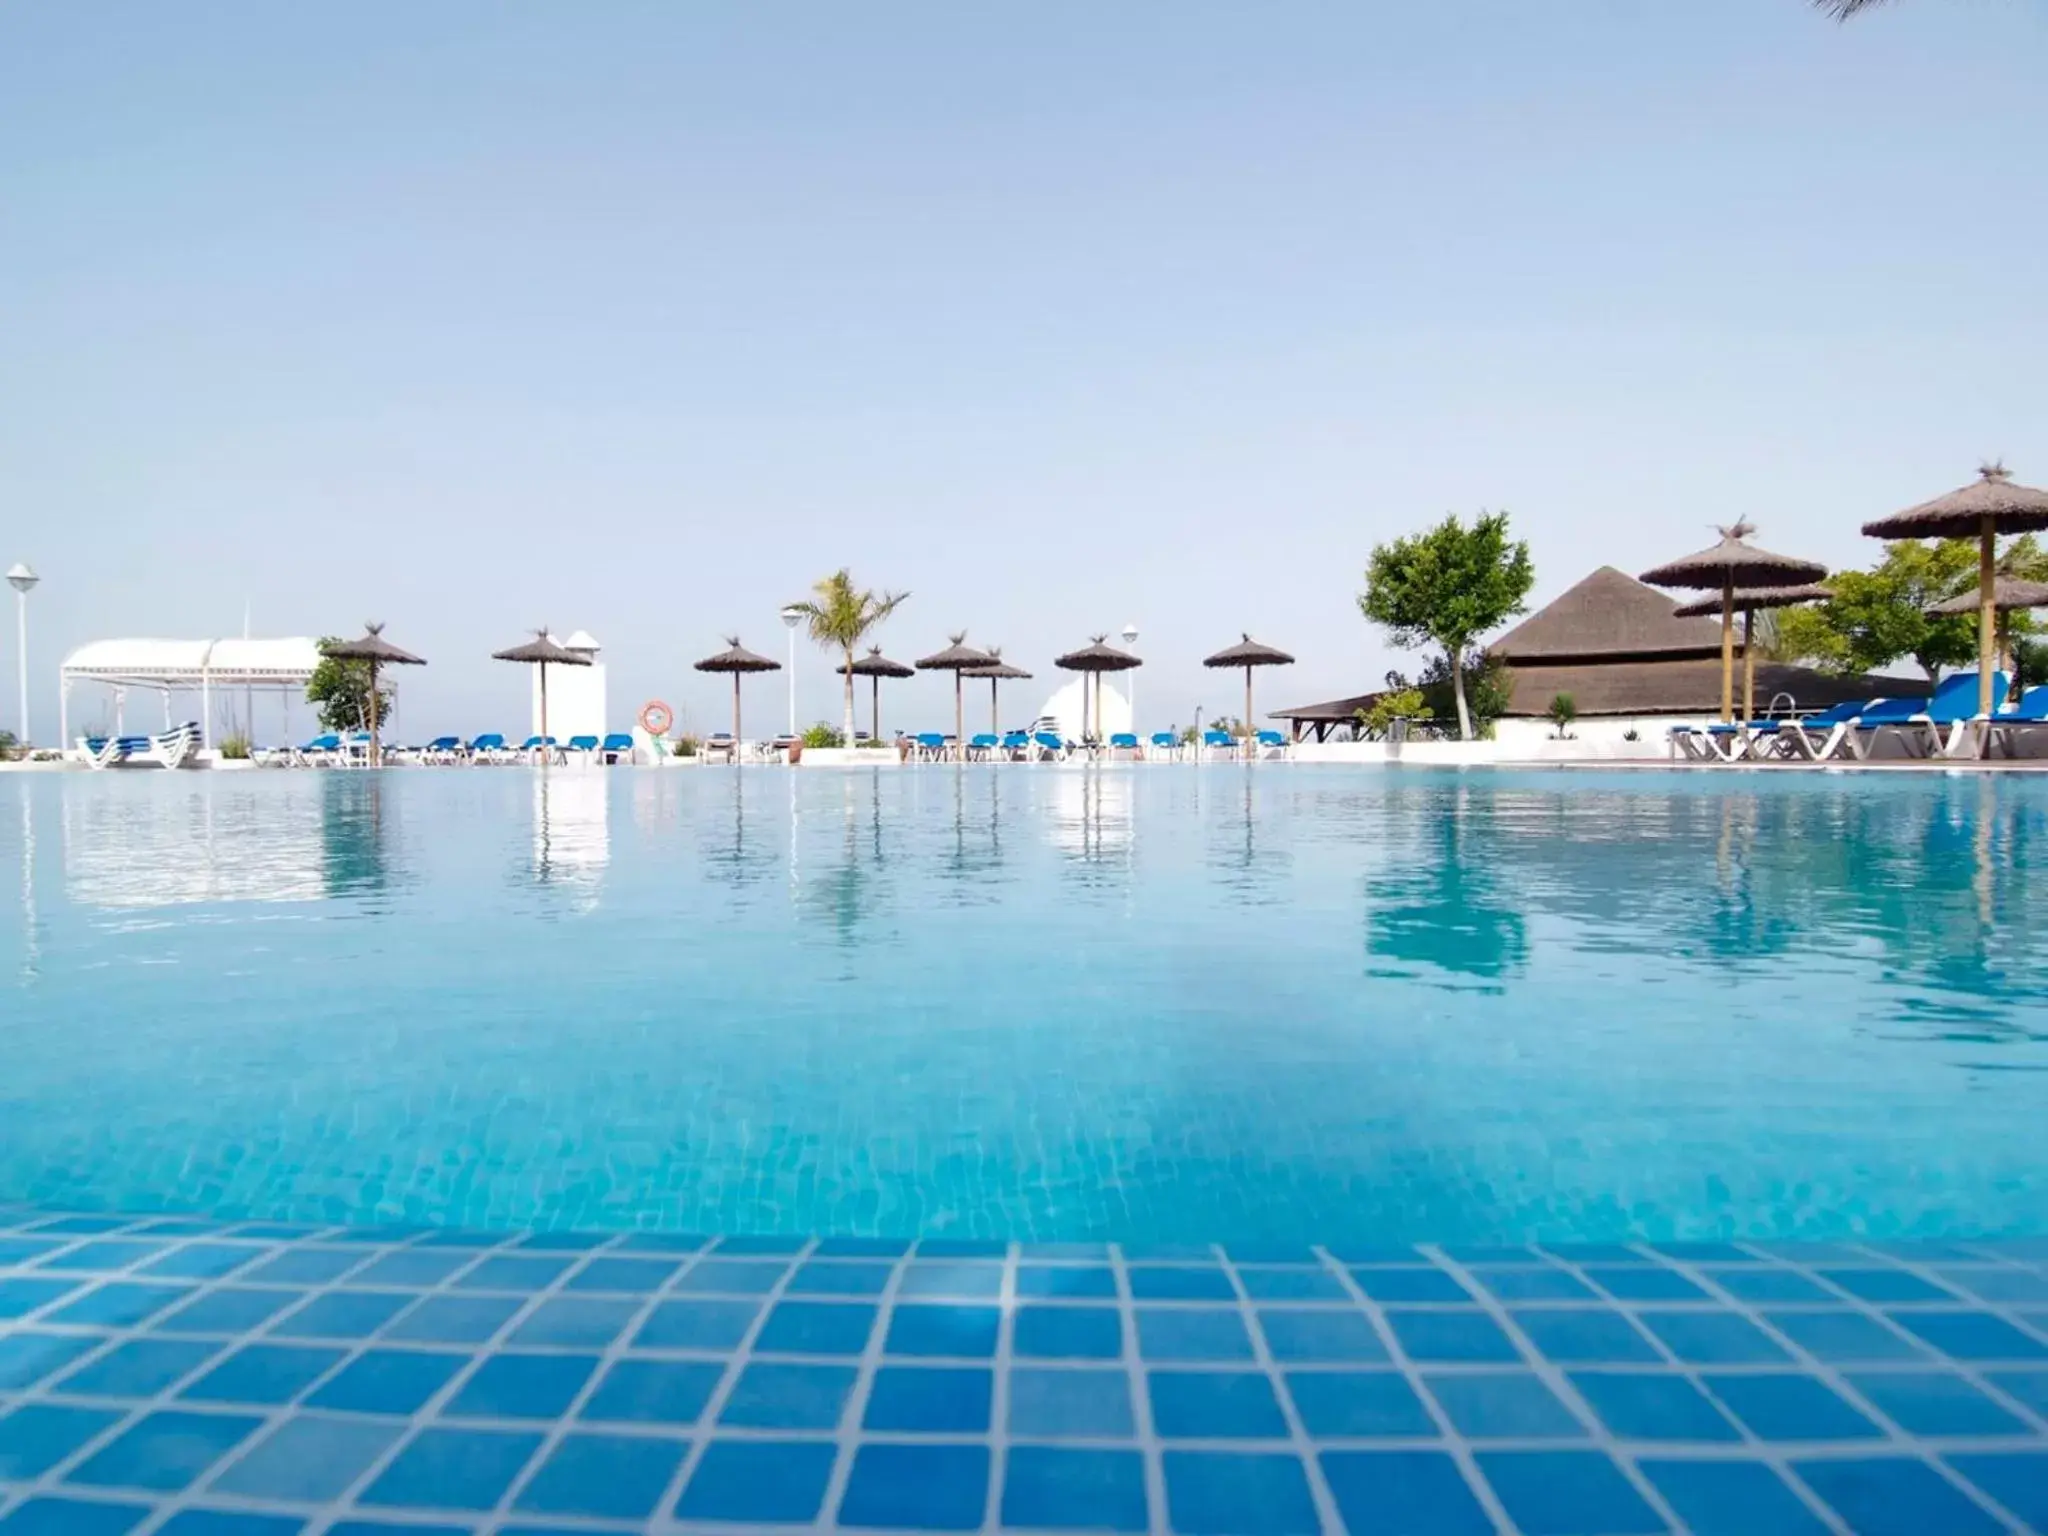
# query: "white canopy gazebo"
182,666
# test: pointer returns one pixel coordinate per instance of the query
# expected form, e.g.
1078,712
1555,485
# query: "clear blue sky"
639,315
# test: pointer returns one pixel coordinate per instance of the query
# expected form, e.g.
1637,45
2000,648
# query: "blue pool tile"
23,1294
1192,1333
828,1277
264,1373
342,1315
2007,1287
1168,1253
1092,1253
1374,1253
2018,1480
653,1392
1503,1405
770,1395
731,1277
1320,1333
1474,1254
1894,1496
917,1487
119,1304
459,1237
1068,1333
562,1242
165,1451
1215,1405
636,1277
1292,1285
2030,1387
761,1482
708,1325
1518,1285
411,1267
1641,1283
310,1459
1451,1336
304,1266
453,1469
227,1311
270,1232
513,1386
1934,1403
83,1225
203,1261
1971,1335
1238,1493
816,1328
1842,1337
1714,1338
1168,1283
1056,1488
73,1517
455,1319
1731,1498
107,1256
1585,1336
662,1242
26,1358
1358,1403
1421,1493
1418,1284
1271,1253
962,1248
1767,1287
578,1322
963,1282
912,1399
776,1246
388,1381
36,1437
1778,1406
229,1522
1640,1405
938,1329
861,1248
1596,1253
1565,1493
1705,1253
616,1477
1089,1282
138,1368
1886,1285
513,1272
24,1250
1070,1403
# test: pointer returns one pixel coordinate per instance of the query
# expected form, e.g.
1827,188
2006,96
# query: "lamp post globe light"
791,617
23,580
1130,636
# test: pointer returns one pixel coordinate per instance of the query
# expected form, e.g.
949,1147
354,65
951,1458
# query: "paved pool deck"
249,1379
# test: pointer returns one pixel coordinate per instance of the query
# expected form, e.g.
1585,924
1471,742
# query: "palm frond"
1842,10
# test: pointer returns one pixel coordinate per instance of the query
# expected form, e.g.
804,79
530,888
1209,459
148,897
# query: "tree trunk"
1457,655
847,739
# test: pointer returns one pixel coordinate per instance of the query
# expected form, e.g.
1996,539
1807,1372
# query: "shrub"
686,746
1564,709
7,746
1631,734
235,748
822,735
1397,704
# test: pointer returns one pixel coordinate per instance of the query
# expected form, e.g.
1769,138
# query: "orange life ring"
656,717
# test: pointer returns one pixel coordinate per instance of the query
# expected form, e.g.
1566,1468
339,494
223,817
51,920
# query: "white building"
1065,706
576,695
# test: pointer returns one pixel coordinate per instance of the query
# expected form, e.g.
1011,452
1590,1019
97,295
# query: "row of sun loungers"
352,750
1123,746
1945,726
174,748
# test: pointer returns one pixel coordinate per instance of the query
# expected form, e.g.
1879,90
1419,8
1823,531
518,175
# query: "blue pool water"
1153,1006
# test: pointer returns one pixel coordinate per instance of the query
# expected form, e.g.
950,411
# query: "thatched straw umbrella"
378,652
1731,563
541,651
1749,600
739,661
876,666
1993,505
1094,659
1249,653
995,674
2007,594
956,658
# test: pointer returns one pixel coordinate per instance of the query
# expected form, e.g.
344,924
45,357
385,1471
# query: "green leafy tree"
1401,703
1564,709
820,736
340,691
842,616
1449,586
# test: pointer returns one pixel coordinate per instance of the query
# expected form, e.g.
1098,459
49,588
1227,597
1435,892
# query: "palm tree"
843,616
1842,10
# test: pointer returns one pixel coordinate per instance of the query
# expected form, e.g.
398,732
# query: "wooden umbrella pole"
1748,665
1987,612
874,708
1728,646
543,712
959,716
376,756
735,719
994,714
1248,710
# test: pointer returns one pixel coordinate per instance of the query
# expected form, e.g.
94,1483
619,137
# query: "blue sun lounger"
1016,745
1165,744
1938,727
582,746
1215,743
617,747
2023,720
1819,737
1123,744
1047,744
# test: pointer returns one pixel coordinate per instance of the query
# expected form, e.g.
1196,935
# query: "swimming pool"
1150,1005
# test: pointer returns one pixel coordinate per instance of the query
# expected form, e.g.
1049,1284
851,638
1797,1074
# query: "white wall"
576,701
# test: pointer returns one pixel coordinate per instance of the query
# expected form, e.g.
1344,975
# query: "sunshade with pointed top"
1096,657
1987,508
2007,594
957,657
996,674
542,651
739,661
1748,600
875,666
1731,563
378,652
1249,653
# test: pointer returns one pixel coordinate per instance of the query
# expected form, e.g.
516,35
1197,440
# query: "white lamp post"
791,617
1131,676
23,580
